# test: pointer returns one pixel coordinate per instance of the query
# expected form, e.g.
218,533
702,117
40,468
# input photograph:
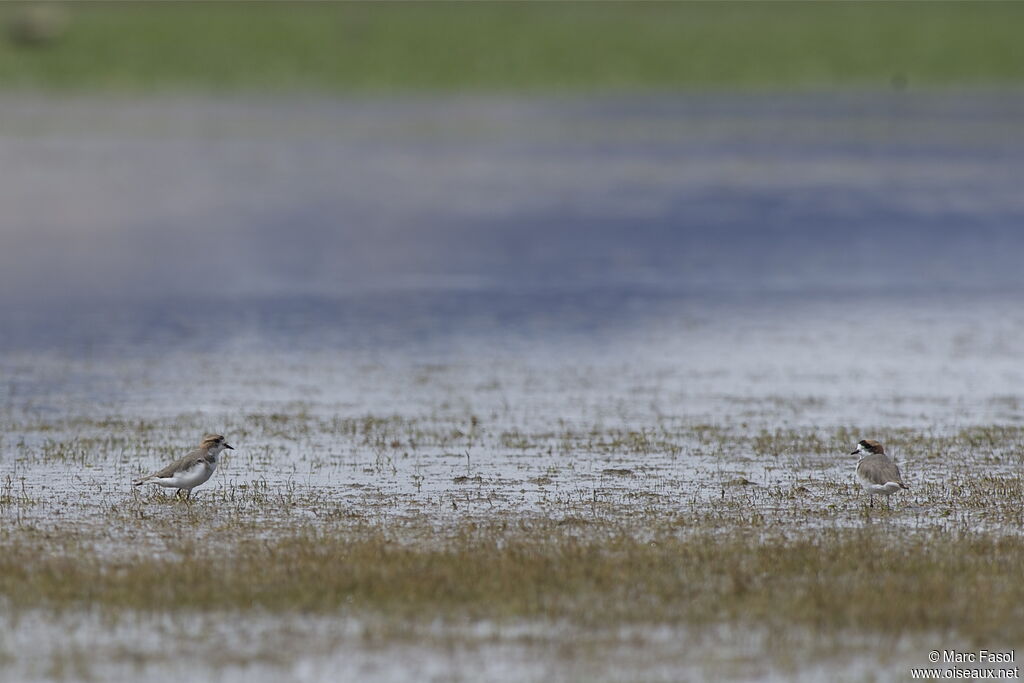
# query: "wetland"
527,389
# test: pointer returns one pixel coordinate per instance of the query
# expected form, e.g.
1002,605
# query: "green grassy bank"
517,46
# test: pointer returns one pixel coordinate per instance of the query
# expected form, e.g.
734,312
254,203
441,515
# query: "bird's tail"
140,481
904,486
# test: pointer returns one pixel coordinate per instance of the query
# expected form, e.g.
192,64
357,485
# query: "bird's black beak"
228,447
852,453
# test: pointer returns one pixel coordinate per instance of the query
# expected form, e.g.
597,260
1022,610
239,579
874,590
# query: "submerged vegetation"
421,526
705,525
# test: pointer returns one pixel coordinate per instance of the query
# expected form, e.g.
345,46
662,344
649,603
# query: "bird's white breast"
187,479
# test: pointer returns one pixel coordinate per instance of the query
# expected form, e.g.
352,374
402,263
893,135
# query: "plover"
192,470
876,471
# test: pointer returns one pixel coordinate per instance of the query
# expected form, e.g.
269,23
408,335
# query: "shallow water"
437,311
352,649
178,196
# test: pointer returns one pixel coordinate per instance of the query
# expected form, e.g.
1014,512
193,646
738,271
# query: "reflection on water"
116,200
855,251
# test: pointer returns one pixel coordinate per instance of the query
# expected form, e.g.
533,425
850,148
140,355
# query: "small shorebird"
192,470
876,471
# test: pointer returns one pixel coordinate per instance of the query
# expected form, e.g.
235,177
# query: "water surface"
436,311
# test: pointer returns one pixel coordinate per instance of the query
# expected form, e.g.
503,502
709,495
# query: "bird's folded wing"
183,463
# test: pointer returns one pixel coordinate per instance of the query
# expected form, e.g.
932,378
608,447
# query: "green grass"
521,46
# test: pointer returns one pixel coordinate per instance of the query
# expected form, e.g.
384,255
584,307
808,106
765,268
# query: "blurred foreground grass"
831,579
515,46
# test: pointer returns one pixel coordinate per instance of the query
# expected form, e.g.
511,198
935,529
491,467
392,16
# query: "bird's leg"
177,493
871,500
